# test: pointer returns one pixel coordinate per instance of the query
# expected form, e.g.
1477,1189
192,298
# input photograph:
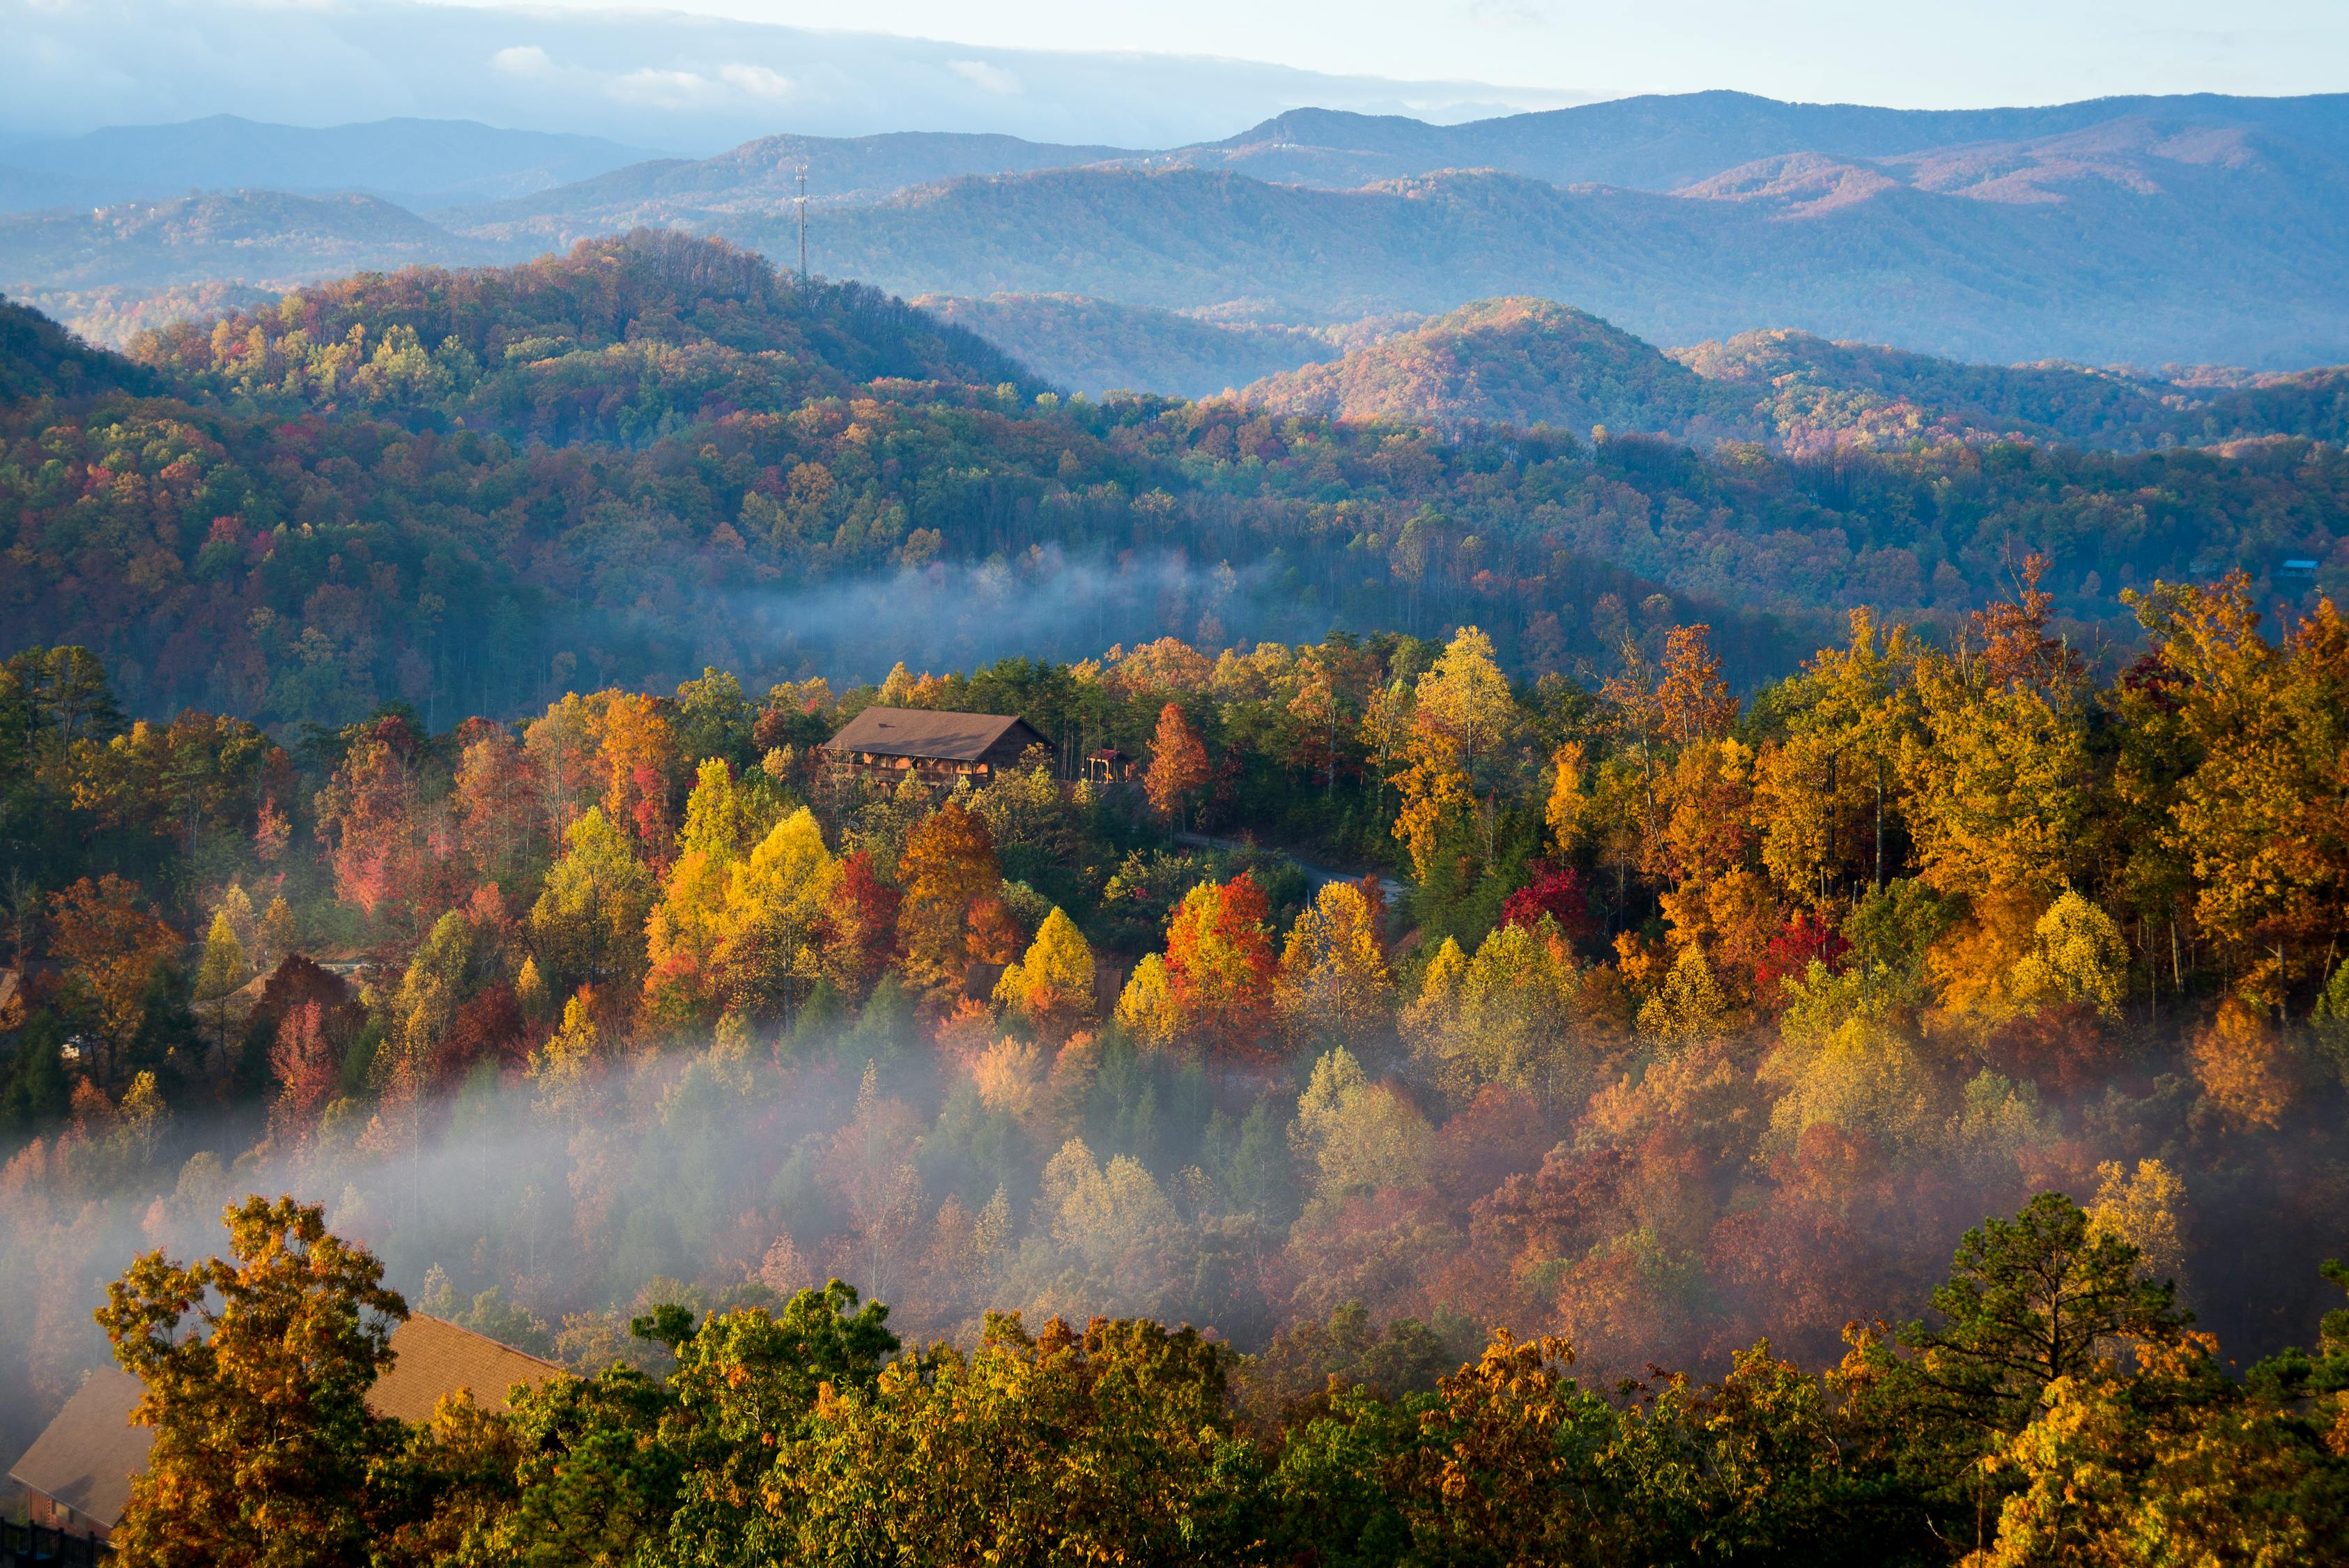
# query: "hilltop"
613,340
1520,362
760,177
260,237
39,359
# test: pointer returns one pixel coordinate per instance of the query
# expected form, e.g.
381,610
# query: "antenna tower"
802,226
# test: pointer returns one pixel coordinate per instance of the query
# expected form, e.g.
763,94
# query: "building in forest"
937,747
76,1475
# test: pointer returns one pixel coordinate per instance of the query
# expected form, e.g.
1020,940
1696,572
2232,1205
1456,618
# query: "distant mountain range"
1530,362
1097,346
2142,231
421,163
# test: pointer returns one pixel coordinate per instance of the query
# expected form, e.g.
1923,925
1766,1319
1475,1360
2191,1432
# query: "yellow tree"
773,926
1146,1008
263,1440
220,972
684,930
1178,766
1334,982
562,1069
588,925
1827,792
1465,697
1995,795
2258,816
1051,989
1437,806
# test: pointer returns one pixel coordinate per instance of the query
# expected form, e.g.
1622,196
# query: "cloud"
986,77
523,61
759,81
664,90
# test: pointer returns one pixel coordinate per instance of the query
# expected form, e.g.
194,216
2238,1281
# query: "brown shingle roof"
86,1456
926,732
433,1357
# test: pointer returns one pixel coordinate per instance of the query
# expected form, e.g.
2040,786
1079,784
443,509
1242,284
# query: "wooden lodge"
936,747
75,1478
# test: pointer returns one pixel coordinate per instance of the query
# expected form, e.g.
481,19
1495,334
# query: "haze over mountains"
653,76
422,163
2146,231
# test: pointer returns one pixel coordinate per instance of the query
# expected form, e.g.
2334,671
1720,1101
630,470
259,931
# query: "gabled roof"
86,1456
926,732
435,1357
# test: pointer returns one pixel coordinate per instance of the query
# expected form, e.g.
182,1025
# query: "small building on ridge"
936,747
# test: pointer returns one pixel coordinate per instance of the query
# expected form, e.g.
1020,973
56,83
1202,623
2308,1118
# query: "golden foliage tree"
1051,989
948,865
255,1369
1178,766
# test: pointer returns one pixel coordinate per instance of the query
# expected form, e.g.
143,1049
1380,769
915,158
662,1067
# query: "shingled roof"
929,733
84,1460
437,1358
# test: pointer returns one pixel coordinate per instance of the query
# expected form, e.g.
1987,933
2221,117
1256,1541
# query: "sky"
718,72
1958,54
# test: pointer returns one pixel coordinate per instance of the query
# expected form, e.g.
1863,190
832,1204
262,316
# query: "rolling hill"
1095,346
2223,266
1530,362
761,178
619,340
2140,231
257,237
1522,362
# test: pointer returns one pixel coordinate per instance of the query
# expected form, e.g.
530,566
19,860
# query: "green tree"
2029,1300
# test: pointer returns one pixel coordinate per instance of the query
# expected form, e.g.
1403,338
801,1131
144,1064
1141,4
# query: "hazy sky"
703,75
1960,53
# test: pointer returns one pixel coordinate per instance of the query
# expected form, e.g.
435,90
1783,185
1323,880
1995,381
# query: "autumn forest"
1545,997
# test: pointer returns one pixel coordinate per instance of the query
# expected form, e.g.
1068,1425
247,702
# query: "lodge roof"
437,1358
85,1458
929,733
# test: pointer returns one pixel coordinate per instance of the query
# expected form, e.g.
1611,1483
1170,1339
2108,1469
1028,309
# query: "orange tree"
257,1368
948,867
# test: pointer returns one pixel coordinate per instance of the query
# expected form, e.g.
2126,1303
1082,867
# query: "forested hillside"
1520,362
1669,141
1514,998
615,341
2100,274
456,489
252,236
1678,1032
1095,346
760,178
2189,230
